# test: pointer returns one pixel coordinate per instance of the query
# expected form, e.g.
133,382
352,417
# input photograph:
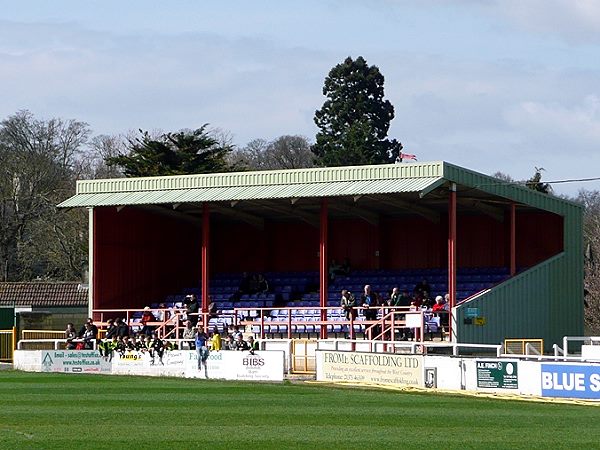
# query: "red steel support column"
205,256
93,263
323,272
452,253
513,239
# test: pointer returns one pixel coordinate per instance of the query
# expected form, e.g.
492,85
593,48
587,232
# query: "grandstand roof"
411,181
44,294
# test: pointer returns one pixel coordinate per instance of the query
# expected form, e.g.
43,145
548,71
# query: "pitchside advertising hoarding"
377,368
497,374
229,365
75,361
571,381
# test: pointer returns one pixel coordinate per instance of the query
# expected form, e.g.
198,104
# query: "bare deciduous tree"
591,231
285,152
36,162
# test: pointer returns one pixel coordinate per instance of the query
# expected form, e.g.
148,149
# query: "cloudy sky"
493,85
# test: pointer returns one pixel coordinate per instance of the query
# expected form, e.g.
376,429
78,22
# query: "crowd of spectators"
120,338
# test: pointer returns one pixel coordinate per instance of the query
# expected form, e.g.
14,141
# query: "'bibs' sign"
571,381
378,368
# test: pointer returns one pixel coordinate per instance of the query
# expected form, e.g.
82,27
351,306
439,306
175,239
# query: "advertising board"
358,367
496,374
571,381
229,365
74,361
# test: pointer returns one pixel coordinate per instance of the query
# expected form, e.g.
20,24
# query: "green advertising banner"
494,374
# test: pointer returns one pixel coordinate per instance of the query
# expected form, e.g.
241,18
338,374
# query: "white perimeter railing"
377,346
56,343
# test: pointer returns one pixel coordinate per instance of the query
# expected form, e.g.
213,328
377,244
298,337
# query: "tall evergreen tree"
355,119
183,152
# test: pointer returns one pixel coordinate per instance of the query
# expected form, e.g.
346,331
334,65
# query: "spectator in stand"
423,287
405,299
440,304
107,348
348,302
89,336
252,344
229,342
157,348
202,350
215,340
83,328
240,343
369,301
212,309
192,308
396,298
427,303
147,317
441,309
416,302
237,334
70,334
190,333
111,329
122,328
262,285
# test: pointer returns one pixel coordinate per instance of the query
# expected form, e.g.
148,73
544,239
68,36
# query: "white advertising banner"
74,361
379,368
228,365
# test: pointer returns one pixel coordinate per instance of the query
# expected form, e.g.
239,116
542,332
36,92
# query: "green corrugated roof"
233,193
314,182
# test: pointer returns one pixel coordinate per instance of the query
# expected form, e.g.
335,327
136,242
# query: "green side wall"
545,301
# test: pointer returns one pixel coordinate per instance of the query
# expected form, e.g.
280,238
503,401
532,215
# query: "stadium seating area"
299,291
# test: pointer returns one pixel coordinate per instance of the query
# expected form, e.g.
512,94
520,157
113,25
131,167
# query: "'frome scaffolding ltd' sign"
355,367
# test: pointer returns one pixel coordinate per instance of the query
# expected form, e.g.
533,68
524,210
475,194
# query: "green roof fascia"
512,191
263,178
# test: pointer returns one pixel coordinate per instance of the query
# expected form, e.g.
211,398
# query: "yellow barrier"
8,339
41,334
303,356
519,346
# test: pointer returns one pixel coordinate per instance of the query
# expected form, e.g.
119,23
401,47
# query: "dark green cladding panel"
7,318
545,301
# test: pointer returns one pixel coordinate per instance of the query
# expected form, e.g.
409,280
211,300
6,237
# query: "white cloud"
579,124
577,21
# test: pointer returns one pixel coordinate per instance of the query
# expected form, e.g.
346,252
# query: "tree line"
41,160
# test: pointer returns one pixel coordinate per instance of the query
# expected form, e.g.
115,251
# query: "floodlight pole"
452,253
323,272
205,256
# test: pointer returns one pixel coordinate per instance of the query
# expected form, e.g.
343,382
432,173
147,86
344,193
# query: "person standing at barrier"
348,302
202,350
369,301
215,340
122,328
111,329
192,308
252,344
189,333
70,334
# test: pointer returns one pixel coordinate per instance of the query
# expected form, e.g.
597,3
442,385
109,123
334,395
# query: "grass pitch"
66,411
